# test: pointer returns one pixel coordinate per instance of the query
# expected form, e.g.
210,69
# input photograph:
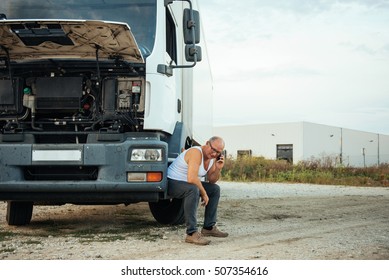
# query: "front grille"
60,173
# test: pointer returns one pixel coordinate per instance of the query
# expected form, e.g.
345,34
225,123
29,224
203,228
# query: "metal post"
341,147
364,157
378,149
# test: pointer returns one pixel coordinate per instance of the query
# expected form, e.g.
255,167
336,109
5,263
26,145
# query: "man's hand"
204,199
220,162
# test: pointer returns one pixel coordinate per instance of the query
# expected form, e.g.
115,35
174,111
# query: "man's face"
215,149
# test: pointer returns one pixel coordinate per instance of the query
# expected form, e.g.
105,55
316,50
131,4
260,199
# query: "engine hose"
33,123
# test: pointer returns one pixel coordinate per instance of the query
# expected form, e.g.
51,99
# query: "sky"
323,61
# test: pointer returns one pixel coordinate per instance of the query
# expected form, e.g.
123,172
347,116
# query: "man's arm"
193,158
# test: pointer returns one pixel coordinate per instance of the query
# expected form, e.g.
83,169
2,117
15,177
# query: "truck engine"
46,104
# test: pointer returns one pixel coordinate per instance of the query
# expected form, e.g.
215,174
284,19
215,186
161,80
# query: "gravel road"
265,221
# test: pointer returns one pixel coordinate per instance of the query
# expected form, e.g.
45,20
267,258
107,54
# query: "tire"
168,212
19,213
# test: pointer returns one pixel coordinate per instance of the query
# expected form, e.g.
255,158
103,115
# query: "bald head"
214,139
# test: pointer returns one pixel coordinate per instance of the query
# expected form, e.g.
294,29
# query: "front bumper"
91,172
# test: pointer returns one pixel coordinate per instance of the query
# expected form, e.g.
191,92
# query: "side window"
171,47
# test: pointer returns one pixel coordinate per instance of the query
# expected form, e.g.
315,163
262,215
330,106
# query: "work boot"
215,232
197,238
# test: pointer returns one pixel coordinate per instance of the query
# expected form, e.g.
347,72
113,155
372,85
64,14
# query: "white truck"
96,99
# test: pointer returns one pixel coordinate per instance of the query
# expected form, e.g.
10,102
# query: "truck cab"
96,99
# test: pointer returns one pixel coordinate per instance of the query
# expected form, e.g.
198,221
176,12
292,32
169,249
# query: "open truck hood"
67,39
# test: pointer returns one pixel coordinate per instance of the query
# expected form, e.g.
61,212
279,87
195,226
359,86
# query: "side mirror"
165,69
189,24
190,52
191,30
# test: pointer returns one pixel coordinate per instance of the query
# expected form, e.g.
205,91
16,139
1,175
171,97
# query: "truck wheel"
170,211
19,212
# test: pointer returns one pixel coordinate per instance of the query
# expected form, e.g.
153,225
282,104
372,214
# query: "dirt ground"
265,221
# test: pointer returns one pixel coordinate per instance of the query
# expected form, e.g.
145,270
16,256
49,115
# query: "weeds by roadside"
314,171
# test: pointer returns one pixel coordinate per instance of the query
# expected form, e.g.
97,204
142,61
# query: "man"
184,182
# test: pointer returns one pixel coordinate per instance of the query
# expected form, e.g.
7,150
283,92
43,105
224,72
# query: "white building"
303,141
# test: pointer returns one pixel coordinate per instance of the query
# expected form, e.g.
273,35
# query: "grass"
5,235
314,171
7,250
89,238
32,242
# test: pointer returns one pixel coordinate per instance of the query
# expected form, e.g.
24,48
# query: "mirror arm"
168,69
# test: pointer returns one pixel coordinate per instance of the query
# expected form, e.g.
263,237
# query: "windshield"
140,15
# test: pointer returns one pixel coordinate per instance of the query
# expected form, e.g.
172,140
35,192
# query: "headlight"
146,155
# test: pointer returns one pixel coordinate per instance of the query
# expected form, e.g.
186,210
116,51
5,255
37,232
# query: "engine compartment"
66,100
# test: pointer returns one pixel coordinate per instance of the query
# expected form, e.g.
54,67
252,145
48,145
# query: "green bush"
313,171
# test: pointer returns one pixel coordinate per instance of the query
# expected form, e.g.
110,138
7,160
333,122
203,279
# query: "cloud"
293,60
385,48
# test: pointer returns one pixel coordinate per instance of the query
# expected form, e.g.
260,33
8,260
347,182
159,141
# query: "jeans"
190,193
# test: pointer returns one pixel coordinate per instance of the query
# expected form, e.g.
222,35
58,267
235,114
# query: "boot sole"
197,243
